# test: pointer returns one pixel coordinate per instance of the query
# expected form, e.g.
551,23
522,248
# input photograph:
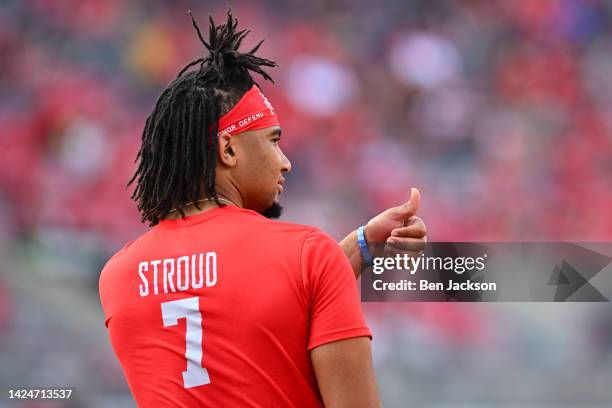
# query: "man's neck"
203,204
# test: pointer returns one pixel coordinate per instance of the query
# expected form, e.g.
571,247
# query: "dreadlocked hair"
178,155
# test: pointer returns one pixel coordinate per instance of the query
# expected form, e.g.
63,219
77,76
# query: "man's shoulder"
287,234
118,255
124,252
247,224
113,262
289,227
302,231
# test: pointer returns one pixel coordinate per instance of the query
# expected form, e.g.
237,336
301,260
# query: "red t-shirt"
222,308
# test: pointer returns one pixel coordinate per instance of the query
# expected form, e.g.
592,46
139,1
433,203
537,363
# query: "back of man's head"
178,155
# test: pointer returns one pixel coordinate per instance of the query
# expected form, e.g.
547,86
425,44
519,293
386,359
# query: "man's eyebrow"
276,132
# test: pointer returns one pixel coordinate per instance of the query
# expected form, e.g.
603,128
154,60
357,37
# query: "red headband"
252,112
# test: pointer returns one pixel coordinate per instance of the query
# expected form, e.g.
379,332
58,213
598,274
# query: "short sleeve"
334,307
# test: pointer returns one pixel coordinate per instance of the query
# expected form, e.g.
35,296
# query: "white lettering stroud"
178,273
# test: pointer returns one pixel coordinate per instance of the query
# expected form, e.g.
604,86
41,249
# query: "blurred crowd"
500,112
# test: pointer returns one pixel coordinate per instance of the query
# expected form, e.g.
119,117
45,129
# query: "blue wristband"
363,245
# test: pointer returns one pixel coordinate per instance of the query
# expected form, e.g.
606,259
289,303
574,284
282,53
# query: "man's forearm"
350,246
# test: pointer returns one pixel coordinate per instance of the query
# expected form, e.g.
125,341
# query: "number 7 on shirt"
188,308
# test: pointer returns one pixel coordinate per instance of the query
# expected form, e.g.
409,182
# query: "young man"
217,305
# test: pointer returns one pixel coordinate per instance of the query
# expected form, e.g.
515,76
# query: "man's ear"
226,151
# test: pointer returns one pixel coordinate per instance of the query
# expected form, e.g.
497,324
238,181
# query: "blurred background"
499,111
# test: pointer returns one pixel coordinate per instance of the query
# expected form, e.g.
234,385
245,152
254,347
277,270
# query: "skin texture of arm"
345,374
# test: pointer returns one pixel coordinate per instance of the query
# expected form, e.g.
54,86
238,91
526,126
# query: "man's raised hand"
399,227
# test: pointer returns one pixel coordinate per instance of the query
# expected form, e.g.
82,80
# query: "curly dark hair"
177,157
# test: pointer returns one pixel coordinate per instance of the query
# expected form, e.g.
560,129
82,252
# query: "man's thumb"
411,206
